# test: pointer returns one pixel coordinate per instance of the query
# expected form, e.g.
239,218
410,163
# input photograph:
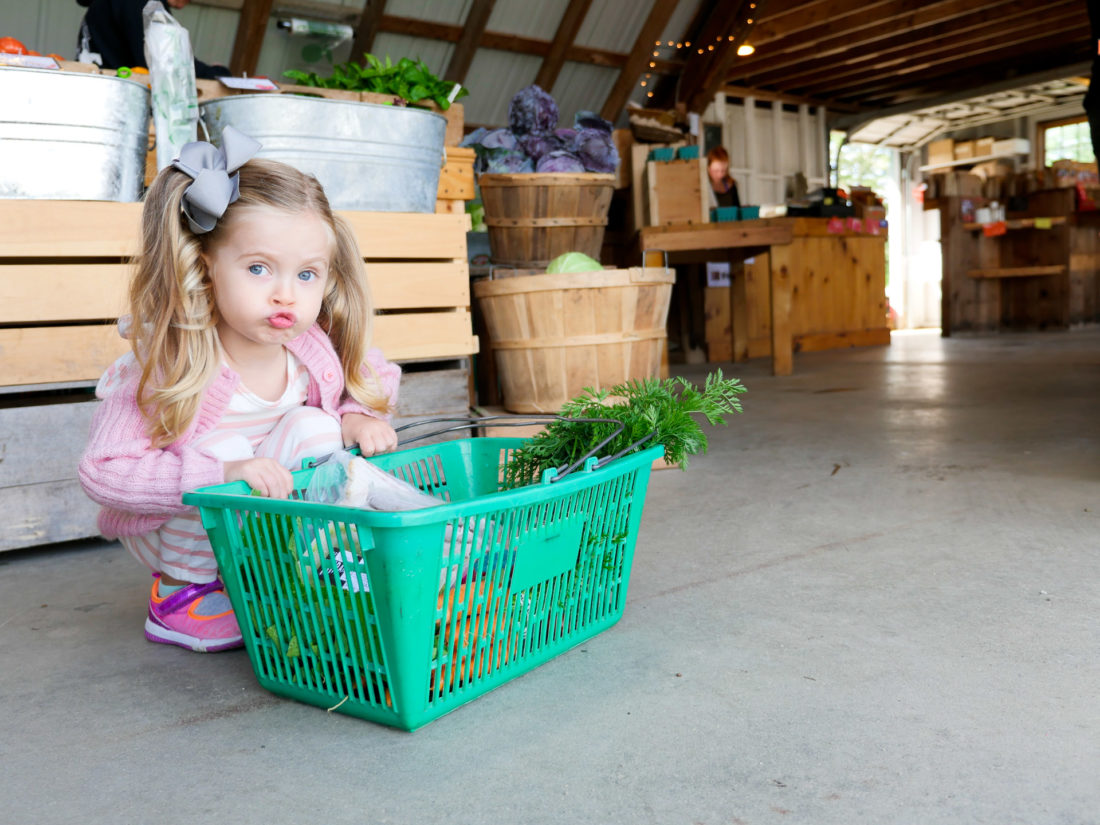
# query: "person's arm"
120,469
367,428
389,377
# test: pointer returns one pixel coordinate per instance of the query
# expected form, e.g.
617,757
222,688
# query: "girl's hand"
264,475
373,435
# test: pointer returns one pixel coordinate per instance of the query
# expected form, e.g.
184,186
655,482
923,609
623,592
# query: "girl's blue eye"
256,269
307,275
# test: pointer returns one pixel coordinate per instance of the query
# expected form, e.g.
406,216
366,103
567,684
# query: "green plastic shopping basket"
400,618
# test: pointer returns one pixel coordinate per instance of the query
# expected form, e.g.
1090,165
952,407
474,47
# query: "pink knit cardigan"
140,487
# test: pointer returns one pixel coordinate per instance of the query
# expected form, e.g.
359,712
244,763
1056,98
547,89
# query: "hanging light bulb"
744,50
687,44
652,65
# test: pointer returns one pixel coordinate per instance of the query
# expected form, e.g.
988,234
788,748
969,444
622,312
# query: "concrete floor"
876,600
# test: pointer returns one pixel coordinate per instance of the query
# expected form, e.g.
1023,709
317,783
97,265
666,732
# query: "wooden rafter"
251,28
570,24
639,58
883,36
367,29
947,68
470,40
900,53
708,43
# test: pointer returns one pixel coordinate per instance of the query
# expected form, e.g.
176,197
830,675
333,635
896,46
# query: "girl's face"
270,271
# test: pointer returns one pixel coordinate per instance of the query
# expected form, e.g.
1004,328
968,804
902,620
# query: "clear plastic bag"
172,72
352,481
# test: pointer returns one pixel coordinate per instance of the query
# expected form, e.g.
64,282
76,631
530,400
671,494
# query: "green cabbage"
573,262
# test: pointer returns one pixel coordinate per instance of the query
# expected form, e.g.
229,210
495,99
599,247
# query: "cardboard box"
941,151
964,149
983,147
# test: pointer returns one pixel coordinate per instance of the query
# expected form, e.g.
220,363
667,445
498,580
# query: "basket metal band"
583,340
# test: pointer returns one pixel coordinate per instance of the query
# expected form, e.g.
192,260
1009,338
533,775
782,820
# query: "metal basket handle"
471,422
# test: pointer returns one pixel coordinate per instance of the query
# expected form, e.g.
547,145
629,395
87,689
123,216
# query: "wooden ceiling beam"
828,73
708,44
571,22
515,43
251,28
764,66
367,28
470,40
1014,50
639,58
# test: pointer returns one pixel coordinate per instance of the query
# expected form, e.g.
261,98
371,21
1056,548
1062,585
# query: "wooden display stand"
1036,270
64,269
836,285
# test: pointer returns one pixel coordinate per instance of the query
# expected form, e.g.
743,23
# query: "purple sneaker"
190,619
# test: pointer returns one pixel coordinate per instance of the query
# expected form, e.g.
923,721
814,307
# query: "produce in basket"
644,406
533,143
573,262
409,80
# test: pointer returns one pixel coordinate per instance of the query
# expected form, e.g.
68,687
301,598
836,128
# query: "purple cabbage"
591,120
532,111
474,138
500,139
509,163
596,150
559,161
538,145
567,136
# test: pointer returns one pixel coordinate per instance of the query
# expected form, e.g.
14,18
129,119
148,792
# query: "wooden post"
739,307
251,28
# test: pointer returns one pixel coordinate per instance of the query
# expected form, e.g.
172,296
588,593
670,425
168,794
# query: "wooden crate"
64,271
677,192
456,181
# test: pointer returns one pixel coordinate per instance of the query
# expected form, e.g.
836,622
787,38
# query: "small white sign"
28,61
718,273
250,84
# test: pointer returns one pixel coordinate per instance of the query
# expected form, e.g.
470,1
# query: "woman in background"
723,188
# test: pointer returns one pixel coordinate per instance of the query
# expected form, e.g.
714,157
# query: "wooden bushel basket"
533,218
554,335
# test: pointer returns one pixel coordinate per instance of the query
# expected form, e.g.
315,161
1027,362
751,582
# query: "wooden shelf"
1020,223
1018,272
970,161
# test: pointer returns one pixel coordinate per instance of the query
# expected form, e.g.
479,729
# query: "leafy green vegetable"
573,262
647,405
409,79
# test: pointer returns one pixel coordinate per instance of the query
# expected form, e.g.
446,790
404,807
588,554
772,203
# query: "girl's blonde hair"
172,309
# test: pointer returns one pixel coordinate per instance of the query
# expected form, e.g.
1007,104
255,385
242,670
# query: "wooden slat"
681,237
46,355
568,27
639,58
1017,271
44,293
40,228
468,43
367,29
46,514
412,285
407,235
427,335
251,28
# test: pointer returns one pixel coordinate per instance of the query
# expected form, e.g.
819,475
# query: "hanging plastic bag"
172,70
352,481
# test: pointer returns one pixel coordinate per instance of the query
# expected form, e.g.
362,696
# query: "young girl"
249,317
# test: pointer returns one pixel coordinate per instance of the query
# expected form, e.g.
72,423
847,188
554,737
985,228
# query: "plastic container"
400,618
721,214
662,153
749,213
687,152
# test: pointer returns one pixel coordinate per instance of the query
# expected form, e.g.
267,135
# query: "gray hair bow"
217,182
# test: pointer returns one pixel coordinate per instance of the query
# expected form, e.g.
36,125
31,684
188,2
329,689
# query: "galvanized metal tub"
72,136
366,155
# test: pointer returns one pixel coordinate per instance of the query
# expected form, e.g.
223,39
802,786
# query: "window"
1066,140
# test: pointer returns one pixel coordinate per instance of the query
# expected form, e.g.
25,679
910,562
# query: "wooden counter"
837,291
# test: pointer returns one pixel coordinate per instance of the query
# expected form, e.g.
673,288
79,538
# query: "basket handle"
494,267
555,474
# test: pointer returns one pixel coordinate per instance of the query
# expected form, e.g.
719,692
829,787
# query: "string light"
743,50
